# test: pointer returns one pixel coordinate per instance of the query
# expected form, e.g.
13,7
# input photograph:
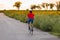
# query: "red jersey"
31,15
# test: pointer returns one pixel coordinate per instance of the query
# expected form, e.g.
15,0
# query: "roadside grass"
46,20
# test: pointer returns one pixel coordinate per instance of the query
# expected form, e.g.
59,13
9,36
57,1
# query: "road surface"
11,29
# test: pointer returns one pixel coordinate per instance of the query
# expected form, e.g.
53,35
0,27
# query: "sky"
8,4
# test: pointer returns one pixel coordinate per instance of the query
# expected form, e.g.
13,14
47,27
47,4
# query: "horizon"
8,4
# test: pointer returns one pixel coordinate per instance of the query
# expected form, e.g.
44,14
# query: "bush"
44,20
47,27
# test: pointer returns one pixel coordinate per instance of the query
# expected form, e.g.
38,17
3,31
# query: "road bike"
31,28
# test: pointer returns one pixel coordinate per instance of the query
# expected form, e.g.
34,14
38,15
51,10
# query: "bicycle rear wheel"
31,30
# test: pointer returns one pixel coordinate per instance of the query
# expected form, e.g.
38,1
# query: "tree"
17,4
58,5
33,7
38,7
45,5
27,9
51,5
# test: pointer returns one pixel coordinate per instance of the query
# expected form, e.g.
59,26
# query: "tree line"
40,6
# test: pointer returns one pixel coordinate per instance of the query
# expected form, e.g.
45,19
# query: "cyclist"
30,19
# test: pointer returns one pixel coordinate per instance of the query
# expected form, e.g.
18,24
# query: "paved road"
11,29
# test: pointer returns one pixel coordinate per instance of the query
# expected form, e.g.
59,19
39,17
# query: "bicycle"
31,28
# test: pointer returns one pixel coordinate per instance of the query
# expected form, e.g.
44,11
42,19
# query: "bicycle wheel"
31,29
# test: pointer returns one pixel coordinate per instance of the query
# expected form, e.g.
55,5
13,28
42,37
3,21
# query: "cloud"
1,5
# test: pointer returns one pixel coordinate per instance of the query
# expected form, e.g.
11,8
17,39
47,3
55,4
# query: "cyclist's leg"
29,24
32,24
